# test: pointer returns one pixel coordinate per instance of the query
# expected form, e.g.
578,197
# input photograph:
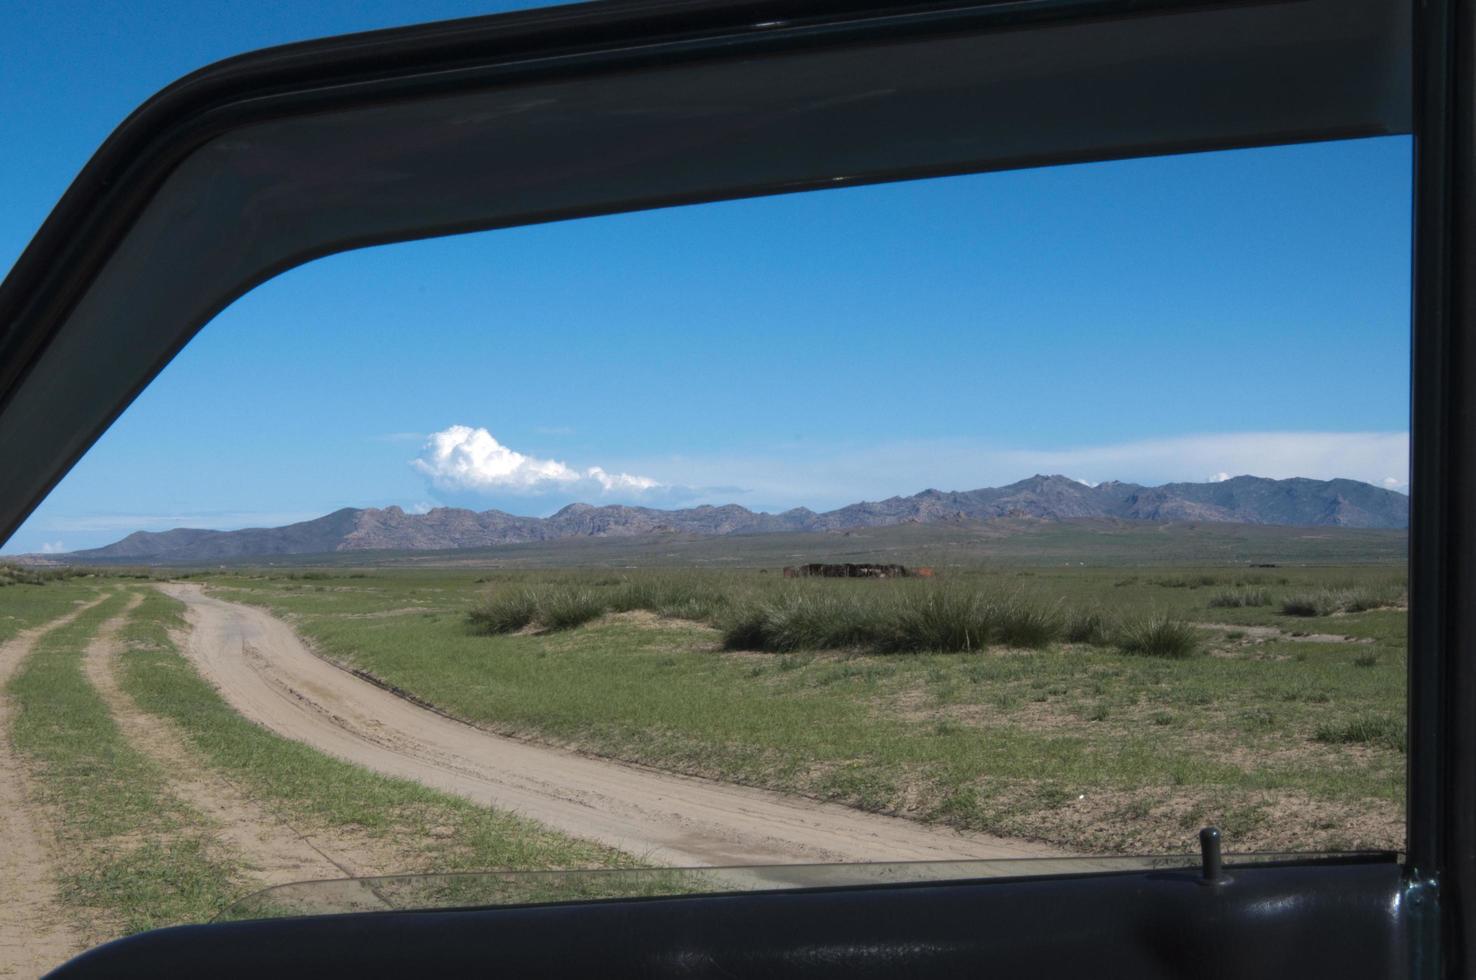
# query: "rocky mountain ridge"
1242,500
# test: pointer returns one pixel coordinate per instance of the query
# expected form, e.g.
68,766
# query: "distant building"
855,570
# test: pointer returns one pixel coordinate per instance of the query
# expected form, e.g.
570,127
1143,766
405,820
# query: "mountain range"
1240,500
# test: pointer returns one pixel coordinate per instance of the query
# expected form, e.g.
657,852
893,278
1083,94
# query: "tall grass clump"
1362,600
505,612
1382,731
947,620
671,596
567,607
746,627
1089,626
1325,602
1308,604
815,620
1023,624
954,620
1159,636
938,619
1239,598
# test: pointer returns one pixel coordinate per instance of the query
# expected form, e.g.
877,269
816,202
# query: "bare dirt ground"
267,674
1258,634
34,934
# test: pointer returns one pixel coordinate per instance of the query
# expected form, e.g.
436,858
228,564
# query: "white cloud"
52,548
620,481
1219,477
461,458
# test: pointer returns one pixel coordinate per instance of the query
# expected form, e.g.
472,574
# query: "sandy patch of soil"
1260,634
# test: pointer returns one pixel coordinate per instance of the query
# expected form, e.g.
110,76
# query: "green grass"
1090,626
804,618
1327,601
433,831
1240,598
1053,742
697,598
1382,731
13,574
1159,636
506,612
133,857
566,607
913,618
24,606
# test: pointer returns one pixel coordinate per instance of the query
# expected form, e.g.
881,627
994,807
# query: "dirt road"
267,674
34,935
273,851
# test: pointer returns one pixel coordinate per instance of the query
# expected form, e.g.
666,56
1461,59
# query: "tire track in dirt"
34,934
273,851
268,675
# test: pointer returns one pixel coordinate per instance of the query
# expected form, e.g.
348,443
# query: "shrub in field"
937,619
1362,600
35,575
1159,636
1023,624
793,621
505,612
671,596
917,620
744,628
1240,598
1088,626
1325,602
1188,581
1382,731
1308,604
566,607
815,620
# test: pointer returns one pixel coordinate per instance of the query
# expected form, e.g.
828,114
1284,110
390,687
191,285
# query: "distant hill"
1017,542
1241,500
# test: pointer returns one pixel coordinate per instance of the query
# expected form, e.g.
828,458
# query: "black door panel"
1331,920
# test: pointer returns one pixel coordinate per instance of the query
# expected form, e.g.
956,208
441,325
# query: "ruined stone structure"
854,570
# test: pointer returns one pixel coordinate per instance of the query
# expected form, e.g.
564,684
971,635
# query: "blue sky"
1153,320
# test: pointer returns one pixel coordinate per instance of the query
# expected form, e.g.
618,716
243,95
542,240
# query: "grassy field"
1275,709
23,606
1112,709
